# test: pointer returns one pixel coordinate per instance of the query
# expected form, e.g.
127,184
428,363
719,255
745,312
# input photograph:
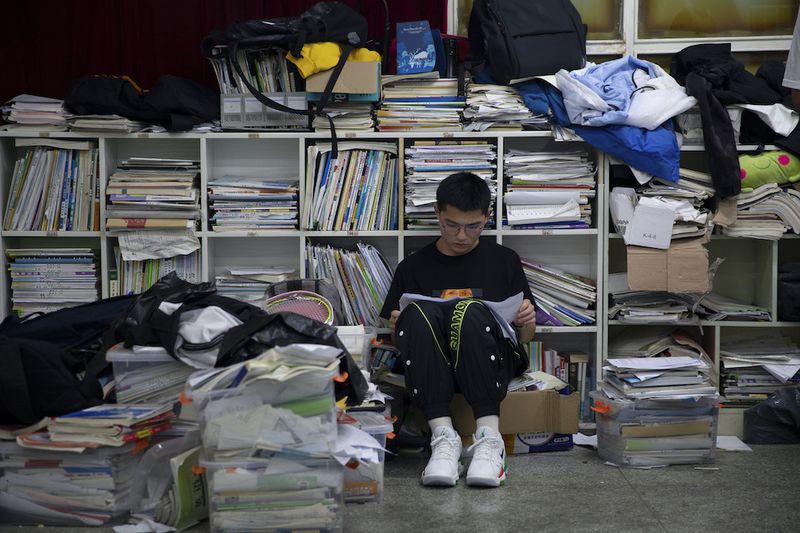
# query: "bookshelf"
749,274
578,251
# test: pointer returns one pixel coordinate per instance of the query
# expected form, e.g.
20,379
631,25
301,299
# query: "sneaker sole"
443,481
486,481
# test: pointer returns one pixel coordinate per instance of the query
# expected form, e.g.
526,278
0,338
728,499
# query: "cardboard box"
359,81
530,421
681,268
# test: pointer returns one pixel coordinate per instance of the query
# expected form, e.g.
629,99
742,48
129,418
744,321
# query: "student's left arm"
525,323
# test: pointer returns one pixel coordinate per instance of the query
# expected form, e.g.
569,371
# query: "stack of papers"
766,212
105,123
641,364
65,488
54,187
717,307
651,307
250,284
48,279
146,374
749,353
420,102
562,299
498,107
29,111
243,203
347,116
153,193
693,185
549,189
361,277
429,162
356,191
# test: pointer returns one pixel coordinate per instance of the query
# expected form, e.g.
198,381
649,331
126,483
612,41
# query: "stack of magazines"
242,203
562,299
420,102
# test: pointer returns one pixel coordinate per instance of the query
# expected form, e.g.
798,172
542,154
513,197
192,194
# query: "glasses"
451,228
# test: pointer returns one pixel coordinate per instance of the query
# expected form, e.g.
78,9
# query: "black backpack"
524,38
49,364
323,22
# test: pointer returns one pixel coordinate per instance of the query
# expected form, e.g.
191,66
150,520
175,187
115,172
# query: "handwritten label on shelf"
547,232
253,136
143,135
543,330
447,134
44,134
51,233
350,135
352,233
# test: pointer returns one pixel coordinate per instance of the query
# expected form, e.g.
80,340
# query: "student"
791,77
458,345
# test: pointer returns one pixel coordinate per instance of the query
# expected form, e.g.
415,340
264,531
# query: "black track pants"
455,345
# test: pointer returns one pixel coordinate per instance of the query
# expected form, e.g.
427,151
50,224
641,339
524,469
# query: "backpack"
323,22
524,38
41,359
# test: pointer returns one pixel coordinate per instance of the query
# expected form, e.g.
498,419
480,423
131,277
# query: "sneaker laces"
485,448
443,447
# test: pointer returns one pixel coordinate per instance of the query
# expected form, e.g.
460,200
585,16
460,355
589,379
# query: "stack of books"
241,203
64,488
571,367
54,187
361,277
562,299
153,193
755,364
347,116
36,113
134,277
420,102
427,163
269,435
498,107
105,123
49,279
358,190
549,189
646,365
250,284
766,212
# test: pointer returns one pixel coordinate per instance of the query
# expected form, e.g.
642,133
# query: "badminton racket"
306,303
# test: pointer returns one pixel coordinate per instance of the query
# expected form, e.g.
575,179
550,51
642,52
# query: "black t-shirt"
489,271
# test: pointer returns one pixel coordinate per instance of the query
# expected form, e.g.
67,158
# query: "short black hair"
465,191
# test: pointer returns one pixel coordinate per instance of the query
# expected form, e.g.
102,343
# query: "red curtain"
48,43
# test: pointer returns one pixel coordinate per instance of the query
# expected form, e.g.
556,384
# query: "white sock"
492,422
440,422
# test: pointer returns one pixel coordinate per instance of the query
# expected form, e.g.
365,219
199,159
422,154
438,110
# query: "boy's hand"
393,320
526,314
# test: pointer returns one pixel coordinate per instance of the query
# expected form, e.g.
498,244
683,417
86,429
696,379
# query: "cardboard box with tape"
681,268
360,81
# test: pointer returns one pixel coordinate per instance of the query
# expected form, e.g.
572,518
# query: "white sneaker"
488,465
444,467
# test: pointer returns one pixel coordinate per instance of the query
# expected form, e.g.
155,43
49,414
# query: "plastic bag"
776,420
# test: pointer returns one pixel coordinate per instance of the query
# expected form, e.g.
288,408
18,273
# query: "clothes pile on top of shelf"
427,163
667,364
245,203
153,193
347,116
361,278
766,212
355,191
54,187
49,279
549,189
250,284
35,113
420,102
562,299
499,107
756,363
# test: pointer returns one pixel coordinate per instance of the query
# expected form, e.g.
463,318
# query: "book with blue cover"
415,49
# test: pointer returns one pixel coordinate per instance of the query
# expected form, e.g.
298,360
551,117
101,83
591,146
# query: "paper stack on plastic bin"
268,427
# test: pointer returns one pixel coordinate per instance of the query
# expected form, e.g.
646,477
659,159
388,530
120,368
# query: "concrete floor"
576,491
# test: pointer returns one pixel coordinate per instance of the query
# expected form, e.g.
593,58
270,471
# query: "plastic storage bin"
244,111
280,494
364,483
357,343
146,374
240,420
656,432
